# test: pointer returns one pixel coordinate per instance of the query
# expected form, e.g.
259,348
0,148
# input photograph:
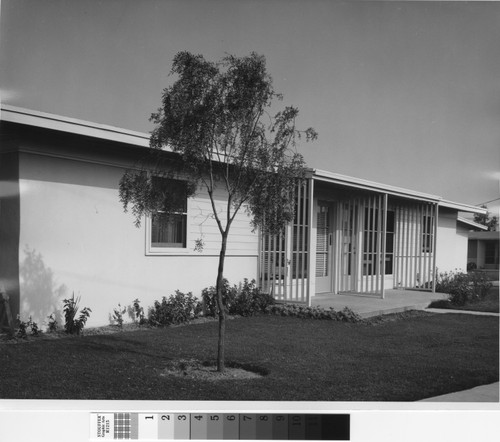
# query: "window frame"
167,250
370,231
427,234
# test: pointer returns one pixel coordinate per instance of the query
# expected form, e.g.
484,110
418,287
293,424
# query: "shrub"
118,315
136,312
209,298
305,312
52,323
463,288
471,266
73,325
249,300
481,284
177,309
23,326
244,300
348,315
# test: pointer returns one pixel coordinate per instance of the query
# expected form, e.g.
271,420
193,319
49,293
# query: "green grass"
411,357
488,304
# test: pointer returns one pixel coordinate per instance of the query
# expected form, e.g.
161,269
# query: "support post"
384,240
434,245
311,272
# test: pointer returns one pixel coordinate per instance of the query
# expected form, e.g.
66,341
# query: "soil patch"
193,369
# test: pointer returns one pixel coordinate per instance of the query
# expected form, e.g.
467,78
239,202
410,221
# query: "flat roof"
331,177
45,120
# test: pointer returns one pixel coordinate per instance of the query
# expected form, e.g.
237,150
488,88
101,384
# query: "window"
489,257
389,243
427,234
370,236
370,242
169,230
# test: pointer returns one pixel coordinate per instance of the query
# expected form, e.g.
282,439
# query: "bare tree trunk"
220,304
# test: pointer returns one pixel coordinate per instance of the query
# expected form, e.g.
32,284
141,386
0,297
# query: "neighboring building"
483,247
63,229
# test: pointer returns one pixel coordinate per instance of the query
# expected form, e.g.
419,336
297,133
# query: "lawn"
488,304
403,357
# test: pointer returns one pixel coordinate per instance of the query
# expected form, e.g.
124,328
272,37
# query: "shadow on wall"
40,295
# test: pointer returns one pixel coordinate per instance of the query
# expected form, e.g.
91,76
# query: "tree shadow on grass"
41,296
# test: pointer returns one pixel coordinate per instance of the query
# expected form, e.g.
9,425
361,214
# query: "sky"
402,93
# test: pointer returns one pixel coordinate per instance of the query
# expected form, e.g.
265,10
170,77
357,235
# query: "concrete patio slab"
395,301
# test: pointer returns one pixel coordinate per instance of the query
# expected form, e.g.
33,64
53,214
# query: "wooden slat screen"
283,258
414,246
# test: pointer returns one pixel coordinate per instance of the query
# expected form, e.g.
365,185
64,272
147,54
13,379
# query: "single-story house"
63,229
483,247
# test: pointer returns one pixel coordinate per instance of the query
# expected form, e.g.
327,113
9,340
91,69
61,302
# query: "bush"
72,325
209,298
471,266
52,323
249,300
245,300
305,312
463,288
177,309
23,326
118,315
348,315
136,312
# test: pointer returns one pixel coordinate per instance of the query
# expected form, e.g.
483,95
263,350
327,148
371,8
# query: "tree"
216,117
486,220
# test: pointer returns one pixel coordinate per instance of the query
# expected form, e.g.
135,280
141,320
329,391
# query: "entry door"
323,248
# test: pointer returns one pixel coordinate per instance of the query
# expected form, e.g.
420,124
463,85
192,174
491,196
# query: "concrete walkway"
483,393
396,301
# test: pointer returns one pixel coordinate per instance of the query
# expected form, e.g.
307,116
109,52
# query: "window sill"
166,251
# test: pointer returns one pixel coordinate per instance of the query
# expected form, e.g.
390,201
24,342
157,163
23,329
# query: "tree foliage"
486,220
217,116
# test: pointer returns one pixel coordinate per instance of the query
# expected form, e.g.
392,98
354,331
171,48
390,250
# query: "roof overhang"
13,114
59,123
463,207
471,224
358,183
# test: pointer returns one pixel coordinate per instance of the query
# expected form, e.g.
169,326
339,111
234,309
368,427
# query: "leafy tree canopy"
217,117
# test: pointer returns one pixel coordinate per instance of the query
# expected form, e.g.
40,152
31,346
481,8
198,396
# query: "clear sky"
403,93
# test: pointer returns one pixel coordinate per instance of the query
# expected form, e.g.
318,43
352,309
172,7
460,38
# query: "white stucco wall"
75,237
452,241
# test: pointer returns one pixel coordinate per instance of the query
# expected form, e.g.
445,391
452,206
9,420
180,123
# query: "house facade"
63,229
483,250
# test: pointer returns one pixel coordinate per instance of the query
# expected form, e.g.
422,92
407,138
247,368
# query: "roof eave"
359,183
45,120
14,114
463,207
471,223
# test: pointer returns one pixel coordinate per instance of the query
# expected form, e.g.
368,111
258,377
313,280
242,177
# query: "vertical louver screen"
322,232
